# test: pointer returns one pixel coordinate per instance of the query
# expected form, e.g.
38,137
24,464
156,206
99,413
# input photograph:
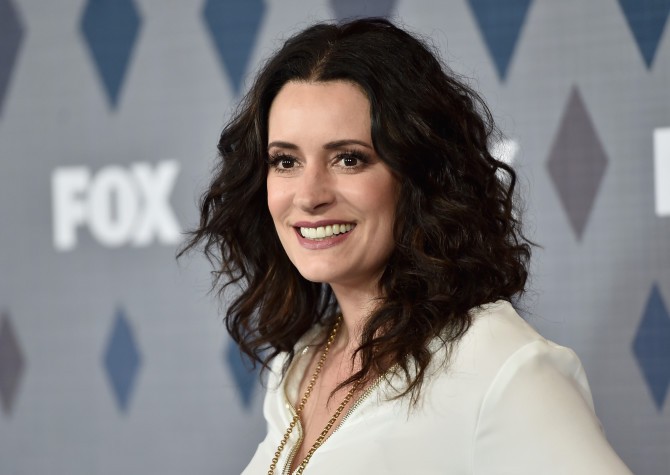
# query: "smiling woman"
325,173
378,253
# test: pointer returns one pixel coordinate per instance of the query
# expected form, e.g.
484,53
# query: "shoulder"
530,404
507,353
500,329
501,349
499,339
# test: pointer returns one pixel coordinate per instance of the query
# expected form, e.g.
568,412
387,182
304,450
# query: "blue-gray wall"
113,358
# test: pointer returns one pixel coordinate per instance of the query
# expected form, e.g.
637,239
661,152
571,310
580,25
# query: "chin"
321,271
316,275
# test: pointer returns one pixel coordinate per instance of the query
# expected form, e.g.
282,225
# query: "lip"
324,243
316,224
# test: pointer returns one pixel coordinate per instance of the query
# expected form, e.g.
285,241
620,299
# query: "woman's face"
331,197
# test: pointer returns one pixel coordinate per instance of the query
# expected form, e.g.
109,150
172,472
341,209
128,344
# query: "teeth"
323,232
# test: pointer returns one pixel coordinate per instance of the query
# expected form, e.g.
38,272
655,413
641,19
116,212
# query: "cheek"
382,196
277,206
386,193
276,199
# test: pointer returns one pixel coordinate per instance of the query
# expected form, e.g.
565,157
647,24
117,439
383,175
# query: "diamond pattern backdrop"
500,24
577,163
11,364
114,360
110,29
651,347
233,27
11,33
647,19
122,360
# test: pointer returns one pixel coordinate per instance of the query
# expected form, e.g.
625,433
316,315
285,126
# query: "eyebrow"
334,145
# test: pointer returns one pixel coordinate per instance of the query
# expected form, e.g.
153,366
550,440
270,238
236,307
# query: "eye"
286,162
282,162
352,159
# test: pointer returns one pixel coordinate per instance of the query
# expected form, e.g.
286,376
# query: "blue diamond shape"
245,377
110,28
651,347
347,9
233,26
122,360
11,33
646,19
11,364
500,24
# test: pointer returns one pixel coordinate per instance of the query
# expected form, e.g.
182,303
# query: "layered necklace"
296,418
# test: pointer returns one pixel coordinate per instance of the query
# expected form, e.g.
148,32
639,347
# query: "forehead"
330,108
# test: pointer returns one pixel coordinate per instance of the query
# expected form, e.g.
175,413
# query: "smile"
324,232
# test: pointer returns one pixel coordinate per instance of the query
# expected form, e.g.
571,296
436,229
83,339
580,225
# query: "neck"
356,305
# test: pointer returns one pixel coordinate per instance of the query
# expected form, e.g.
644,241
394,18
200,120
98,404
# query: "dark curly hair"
458,239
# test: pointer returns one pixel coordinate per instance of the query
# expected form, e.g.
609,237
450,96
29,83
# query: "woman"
375,249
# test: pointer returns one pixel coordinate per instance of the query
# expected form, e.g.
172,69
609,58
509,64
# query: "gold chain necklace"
303,401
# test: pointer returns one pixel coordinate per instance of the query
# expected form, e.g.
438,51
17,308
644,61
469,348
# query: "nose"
314,189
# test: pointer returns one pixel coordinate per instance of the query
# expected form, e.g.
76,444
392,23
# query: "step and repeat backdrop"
113,357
